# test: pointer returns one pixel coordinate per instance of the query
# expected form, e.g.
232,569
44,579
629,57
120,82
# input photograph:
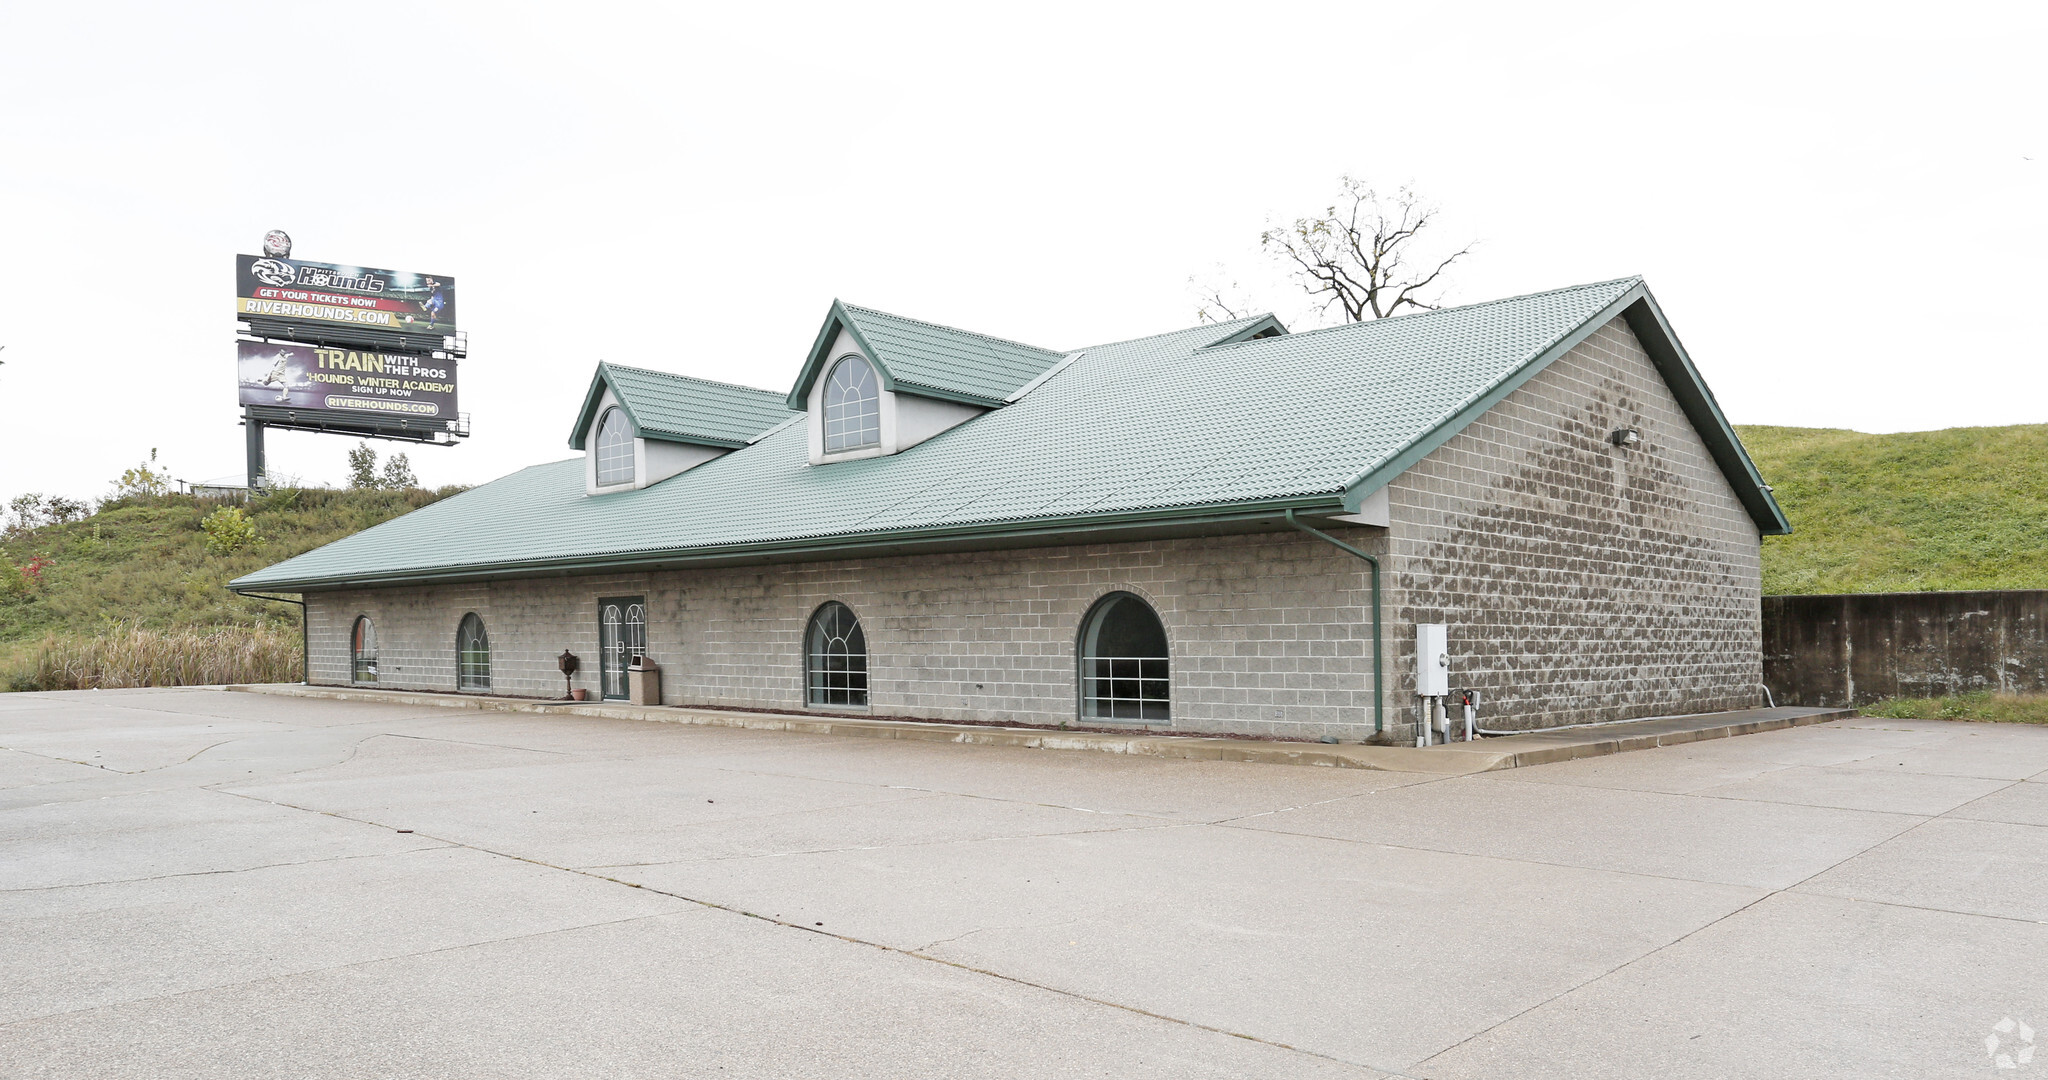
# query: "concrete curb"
1457,759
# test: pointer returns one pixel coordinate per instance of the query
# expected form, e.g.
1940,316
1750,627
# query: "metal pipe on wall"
1379,684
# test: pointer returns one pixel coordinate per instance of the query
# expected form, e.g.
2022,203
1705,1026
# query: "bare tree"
1355,254
1215,303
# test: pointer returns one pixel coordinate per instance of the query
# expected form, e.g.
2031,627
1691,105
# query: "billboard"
329,295
367,384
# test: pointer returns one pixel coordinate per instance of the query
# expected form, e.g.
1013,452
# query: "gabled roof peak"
680,408
926,359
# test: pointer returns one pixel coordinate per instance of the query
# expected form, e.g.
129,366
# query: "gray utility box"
643,682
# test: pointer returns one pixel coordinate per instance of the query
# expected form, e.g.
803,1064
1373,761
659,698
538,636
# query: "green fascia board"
1647,319
814,364
588,413
1637,307
1074,528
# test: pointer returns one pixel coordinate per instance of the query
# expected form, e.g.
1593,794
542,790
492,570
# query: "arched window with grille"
853,406
472,655
363,651
614,447
836,658
622,635
1124,662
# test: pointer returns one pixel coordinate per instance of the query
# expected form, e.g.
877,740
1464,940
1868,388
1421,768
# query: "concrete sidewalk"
1455,759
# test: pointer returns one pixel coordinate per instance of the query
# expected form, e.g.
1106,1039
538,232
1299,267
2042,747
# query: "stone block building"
1228,528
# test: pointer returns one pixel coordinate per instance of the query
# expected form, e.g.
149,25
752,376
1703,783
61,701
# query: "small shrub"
228,530
144,481
63,511
13,583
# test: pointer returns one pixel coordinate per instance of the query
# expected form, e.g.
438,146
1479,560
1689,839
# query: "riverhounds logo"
2010,1044
272,272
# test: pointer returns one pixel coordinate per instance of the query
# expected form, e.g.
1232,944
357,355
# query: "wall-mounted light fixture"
1625,437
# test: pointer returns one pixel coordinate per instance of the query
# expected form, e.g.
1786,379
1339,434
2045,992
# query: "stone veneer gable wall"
1580,582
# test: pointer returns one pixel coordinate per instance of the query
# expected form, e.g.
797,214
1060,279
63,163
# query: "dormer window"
853,406
614,448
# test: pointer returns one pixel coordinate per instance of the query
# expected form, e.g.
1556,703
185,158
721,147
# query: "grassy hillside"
1964,508
135,584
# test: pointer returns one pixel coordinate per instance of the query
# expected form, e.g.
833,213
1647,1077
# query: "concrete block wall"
1580,582
1270,633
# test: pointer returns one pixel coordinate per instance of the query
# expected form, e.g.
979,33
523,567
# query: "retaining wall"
1856,649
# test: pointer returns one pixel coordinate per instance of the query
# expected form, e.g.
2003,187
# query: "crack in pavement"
300,973
441,846
122,772
940,842
1704,927
882,946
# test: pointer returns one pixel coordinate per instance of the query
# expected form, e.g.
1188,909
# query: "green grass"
142,565
1981,705
1963,508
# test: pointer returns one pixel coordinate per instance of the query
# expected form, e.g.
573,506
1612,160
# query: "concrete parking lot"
196,883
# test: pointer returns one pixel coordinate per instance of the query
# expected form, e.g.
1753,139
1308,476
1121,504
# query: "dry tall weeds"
132,656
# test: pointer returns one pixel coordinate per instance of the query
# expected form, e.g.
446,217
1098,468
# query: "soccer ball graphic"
2010,1044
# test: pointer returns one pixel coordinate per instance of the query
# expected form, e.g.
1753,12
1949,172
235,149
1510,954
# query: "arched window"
614,447
1123,661
363,651
472,655
853,406
836,658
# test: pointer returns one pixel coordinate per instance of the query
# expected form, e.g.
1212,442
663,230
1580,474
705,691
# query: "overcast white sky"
1843,208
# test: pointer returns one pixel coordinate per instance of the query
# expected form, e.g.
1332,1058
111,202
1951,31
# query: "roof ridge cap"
1247,320
690,378
953,329
1633,279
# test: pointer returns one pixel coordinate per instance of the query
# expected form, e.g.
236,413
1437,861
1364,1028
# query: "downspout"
305,636
1379,685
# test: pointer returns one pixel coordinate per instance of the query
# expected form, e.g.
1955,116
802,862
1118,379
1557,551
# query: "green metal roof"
926,358
678,408
1170,429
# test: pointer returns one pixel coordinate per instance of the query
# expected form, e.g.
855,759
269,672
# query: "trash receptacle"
643,681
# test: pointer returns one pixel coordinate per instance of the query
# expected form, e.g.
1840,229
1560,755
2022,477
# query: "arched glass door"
621,635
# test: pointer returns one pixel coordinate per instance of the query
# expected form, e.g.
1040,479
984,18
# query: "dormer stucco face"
906,419
654,460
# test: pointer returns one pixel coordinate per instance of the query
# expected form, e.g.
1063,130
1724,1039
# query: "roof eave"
895,540
964,398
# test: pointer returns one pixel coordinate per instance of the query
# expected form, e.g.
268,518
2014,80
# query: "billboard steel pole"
254,431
